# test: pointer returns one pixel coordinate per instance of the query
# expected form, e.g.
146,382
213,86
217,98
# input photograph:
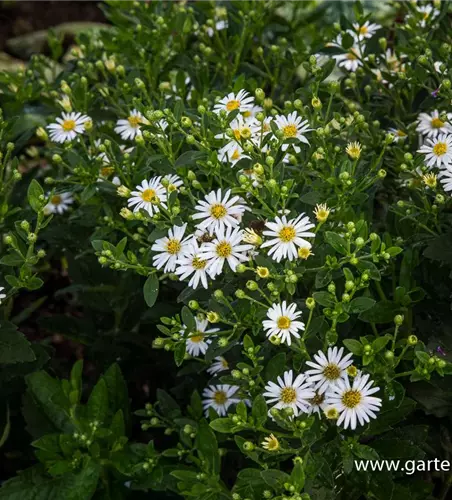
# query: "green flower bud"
398,320
412,340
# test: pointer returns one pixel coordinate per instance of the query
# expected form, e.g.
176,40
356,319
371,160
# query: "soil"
20,18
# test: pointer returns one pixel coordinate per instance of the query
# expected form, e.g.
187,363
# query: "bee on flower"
68,127
131,127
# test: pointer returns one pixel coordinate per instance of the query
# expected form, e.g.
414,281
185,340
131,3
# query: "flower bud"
412,340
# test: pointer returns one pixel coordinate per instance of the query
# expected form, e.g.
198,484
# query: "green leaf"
275,478
179,353
223,425
381,312
353,346
151,290
423,357
76,377
325,299
207,446
188,319
365,452
34,192
118,398
360,304
380,343
297,477
14,347
259,410
97,406
275,366
337,242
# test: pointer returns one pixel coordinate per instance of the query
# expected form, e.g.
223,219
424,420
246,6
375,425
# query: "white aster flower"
367,30
438,151
220,365
197,343
328,369
59,203
354,402
432,125
192,263
218,211
427,14
67,127
220,25
287,236
174,182
148,196
170,248
283,322
251,113
293,127
2,295
241,101
445,178
226,247
399,134
131,127
231,153
440,67
220,398
289,393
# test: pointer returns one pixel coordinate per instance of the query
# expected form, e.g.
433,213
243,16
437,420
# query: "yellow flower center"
56,199
199,337
220,397
247,114
290,131
134,121
224,249
352,371
440,149
363,30
173,246
233,104
171,188
288,395
245,132
106,171
283,322
224,363
332,414
304,252
198,263
218,211
68,125
287,234
351,398
148,195
437,123
236,133
236,155
400,133
331,371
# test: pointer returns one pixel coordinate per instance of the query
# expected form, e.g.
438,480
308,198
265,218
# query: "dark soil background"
21,18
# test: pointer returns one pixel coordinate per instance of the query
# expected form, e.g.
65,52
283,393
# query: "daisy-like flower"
290,393
445,177
218,211
59,203
317,404
429,180
220,398
131,127
293,127
220,365
192,263
242,128
170,248
67,127
432,125
270,443
226,247
287,235
172,182
367,30
322,212
148,196
354,402
350,60
329,369
353,150
232,155
241,101
197,343
220,25
283,322
427,14
399,135
438,152
2,295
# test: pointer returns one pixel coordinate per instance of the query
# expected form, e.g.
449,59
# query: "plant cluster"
251,201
